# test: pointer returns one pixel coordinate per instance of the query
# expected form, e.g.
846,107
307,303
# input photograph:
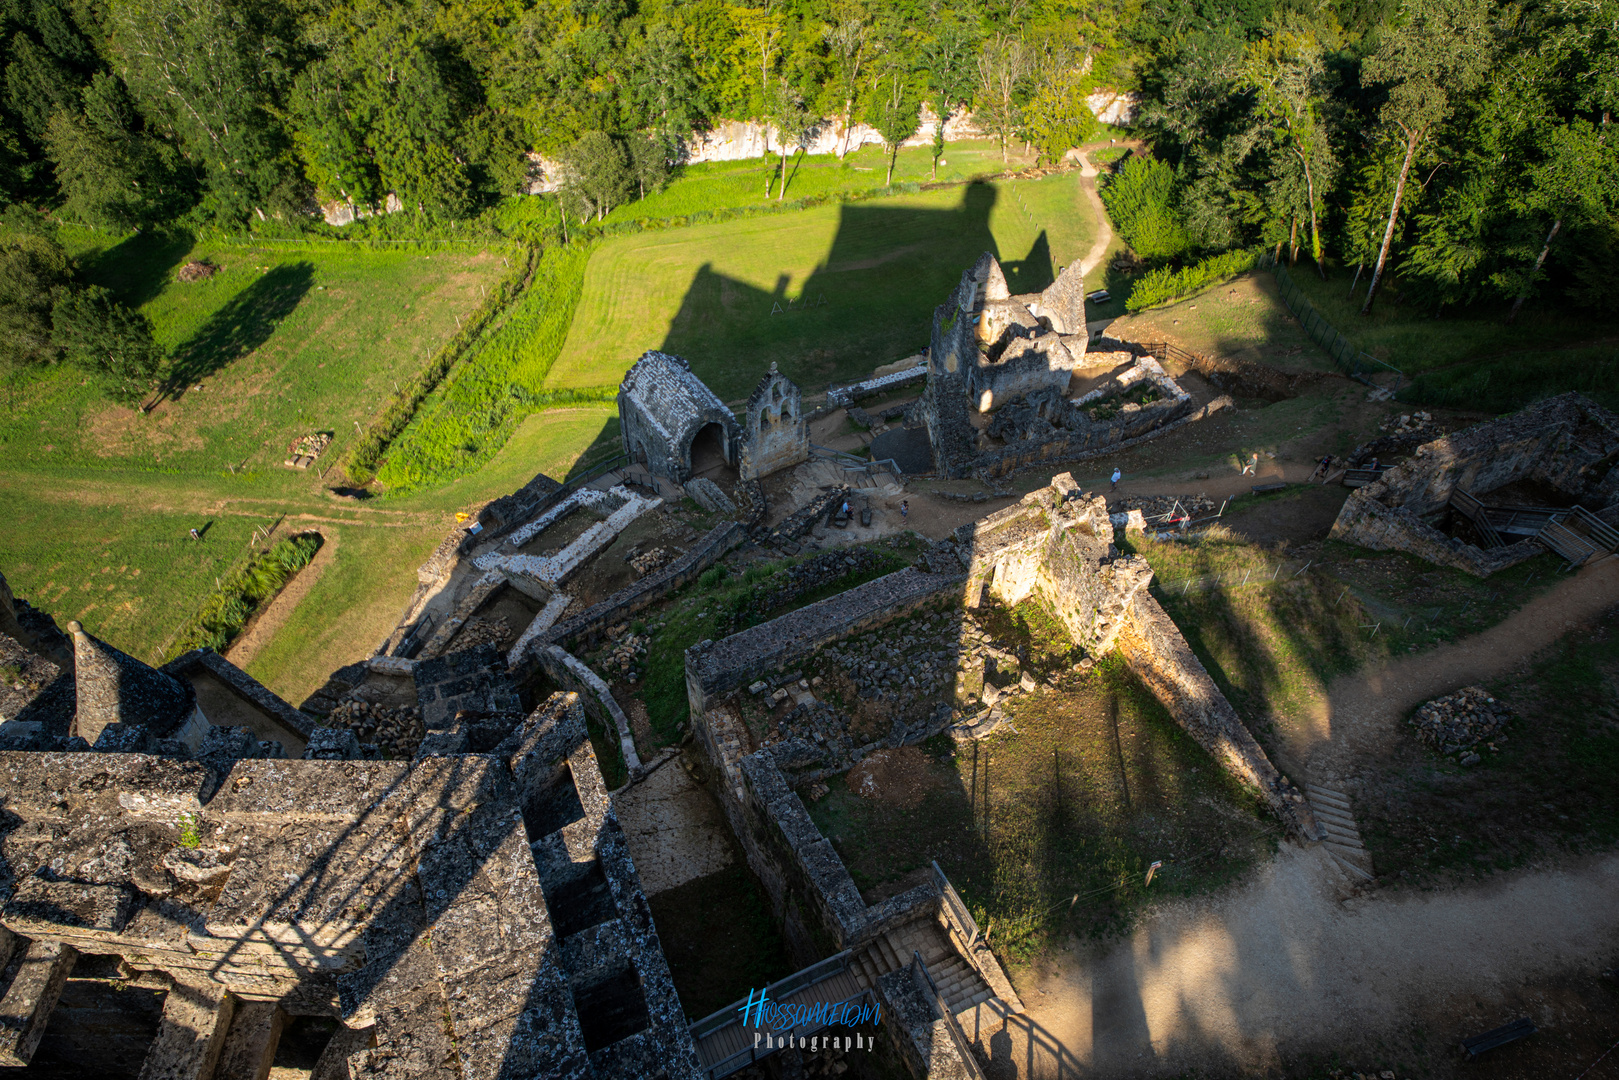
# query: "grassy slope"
283,342
283,356
707,292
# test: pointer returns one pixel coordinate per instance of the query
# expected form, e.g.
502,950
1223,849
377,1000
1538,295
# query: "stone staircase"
963,988
1343,843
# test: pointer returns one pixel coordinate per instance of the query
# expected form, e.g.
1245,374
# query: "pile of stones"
901,664
624,658
1152,506
650,561
1406,423
483,630
396,731
1458,722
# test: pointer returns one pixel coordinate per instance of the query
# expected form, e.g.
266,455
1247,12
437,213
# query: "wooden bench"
1499,1037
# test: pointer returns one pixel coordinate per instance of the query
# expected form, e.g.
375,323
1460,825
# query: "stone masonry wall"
713,668
1161,658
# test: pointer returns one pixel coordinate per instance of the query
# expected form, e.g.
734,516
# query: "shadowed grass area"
1547,787
1505,383
1096,783
827,293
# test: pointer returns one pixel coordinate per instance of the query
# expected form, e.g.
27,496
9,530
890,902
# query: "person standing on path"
1253,463
1117,476
904,509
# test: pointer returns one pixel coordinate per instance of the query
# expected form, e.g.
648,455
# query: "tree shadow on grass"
137,268
242,325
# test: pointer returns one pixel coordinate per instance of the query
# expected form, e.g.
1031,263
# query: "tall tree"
792,120
213,70
848,39
110,172
1436,50
1288,74
895,113
1004,62
950,55
33,269
38,85
102,336
596,176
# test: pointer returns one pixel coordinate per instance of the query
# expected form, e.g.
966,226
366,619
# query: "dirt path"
1104,235
258,633
1279,965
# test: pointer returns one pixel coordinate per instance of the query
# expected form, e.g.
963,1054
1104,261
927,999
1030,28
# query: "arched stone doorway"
710,456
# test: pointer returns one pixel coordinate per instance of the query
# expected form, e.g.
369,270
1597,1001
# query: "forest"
1462,146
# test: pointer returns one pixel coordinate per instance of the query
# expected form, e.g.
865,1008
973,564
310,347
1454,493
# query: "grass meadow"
726,184
827,294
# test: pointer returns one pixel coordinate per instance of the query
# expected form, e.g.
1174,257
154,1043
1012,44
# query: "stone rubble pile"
483,630
1152,506
625,656
396,731
1458,722
651,561
1406,423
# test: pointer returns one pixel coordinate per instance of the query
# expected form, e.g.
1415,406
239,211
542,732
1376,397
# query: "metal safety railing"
1356,363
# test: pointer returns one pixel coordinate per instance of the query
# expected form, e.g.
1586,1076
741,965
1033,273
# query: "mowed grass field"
723,184
283,341
826,294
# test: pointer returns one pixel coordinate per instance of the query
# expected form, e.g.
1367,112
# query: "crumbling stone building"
777,434
665,410
1548,466
1017,357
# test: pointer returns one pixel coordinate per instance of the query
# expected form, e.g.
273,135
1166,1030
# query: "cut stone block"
196,1017
333,1063
249,1048
25,1011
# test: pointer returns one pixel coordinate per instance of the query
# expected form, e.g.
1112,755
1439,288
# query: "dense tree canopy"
1462,145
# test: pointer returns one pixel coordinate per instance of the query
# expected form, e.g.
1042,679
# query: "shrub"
240,595
1164,285
1140,198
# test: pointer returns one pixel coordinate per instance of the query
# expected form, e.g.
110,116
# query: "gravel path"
1280,964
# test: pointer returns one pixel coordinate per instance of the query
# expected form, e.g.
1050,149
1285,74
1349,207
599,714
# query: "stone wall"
662,408
479,912
1567,443
775,435
1158,654
713,668
650,589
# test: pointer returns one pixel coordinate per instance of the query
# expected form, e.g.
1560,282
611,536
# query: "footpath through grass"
827,294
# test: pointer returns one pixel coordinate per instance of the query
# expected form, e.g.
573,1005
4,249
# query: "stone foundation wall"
1161,658
650,589
713,668
1368,523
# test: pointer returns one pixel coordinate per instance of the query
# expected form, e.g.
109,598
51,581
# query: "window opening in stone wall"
611,1006
578,897
303,1039
552,805
102,1026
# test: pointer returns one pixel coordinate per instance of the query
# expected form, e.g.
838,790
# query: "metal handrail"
924,982
957,907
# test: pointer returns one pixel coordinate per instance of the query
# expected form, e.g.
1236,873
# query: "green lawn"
285,340
827,294
726,184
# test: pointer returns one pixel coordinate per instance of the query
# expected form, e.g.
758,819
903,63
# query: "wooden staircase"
958,981
1343,843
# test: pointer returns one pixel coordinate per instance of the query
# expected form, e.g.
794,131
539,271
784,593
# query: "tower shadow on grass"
869,302
242,325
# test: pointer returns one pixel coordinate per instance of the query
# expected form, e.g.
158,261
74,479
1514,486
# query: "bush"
1140,198
1162,286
